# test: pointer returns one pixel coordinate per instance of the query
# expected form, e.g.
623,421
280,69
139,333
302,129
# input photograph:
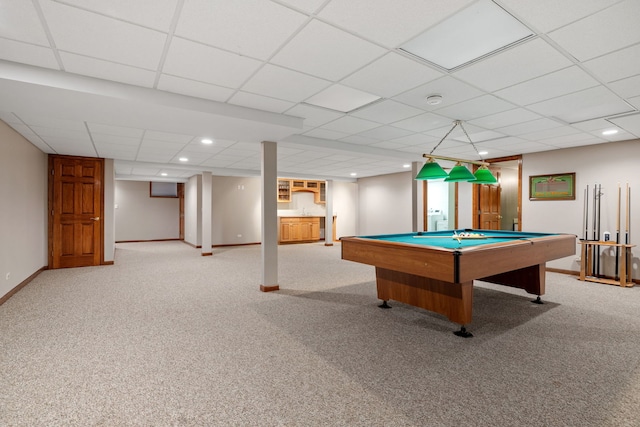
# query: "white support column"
269,217
328,220
206,214
417,199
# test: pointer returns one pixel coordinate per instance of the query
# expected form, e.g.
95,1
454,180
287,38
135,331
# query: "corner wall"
23,209
142,217
607,164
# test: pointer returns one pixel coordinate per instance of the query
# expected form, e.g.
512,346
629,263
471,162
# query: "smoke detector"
434,99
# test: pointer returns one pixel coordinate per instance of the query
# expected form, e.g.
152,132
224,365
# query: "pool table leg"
531,279
453,300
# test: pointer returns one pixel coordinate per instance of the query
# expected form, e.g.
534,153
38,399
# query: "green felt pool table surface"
445,239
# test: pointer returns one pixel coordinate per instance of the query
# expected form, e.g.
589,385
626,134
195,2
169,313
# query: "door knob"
95,219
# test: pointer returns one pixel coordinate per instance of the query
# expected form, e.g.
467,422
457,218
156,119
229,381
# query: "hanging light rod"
459,173
453,159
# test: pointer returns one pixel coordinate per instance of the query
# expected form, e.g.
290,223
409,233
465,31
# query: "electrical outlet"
7,276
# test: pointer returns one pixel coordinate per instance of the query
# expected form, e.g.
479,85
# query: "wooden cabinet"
321,195
287,186
299,229
284,190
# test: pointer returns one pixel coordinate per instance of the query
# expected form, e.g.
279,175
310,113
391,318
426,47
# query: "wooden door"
76,211
489,207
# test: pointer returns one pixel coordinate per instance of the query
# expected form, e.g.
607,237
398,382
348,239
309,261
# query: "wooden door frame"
425,205
476,191
50,206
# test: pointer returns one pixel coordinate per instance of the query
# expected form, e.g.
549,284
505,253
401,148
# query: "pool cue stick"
595,213
598,234
617,233
586,214
627,232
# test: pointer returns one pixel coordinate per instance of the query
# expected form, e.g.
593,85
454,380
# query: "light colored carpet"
167,337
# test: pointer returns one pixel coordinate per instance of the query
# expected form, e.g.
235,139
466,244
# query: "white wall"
23,209
345,207
384,204
109,224
606,164
192,211
139,216
235,210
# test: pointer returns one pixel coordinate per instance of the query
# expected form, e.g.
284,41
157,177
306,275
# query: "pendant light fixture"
459,173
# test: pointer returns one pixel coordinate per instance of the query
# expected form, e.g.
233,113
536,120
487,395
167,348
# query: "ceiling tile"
611,29
307,6
102,139
389,23
543,135
106,70
616,65
260,102
156,14
359,139
225,24
51,122
385,132
207,64
278,82
571,140
324,51
505,118
154,135
515,65
27,54
20,21
128,44
474,108
154,156
193,88
325,134
313,116
584,105
552,85
390,75
386,111
115,130
452,91
528,127
341,98
350,125
627,87
547,15
423,122
635,101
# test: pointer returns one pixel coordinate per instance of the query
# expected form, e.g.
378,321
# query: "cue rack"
597,239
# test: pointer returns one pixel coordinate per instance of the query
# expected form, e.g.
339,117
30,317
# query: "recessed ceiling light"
353,174
406,165
341,98
163,174
478,30
206,141
610,132
183,159
482,153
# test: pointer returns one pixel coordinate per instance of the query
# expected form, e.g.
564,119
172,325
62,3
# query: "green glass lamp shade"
460,173
484,176
431,170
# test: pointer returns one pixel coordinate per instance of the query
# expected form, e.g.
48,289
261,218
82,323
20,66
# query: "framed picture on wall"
561,186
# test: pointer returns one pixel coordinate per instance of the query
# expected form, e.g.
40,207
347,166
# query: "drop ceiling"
330,81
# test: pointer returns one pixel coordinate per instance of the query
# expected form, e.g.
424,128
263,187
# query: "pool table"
436,270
